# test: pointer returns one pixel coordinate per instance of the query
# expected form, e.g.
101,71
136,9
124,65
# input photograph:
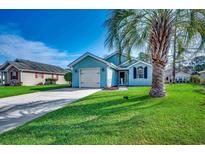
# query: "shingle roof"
22,64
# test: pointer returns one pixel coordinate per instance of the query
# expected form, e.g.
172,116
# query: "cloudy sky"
51,36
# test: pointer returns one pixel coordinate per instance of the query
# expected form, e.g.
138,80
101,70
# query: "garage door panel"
89,85
90,77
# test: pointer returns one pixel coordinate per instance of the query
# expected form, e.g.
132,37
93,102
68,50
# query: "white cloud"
14,46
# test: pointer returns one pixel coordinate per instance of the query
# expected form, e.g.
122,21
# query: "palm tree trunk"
158,87
174,58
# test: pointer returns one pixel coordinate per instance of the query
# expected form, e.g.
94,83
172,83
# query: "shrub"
195,79
50,81
202,82
39,84
19,83
68,77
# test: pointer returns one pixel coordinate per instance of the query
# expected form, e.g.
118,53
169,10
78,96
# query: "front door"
122,78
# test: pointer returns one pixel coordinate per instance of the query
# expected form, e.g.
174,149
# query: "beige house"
202,74
29,73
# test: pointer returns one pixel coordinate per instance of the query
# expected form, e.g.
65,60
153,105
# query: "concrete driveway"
17,110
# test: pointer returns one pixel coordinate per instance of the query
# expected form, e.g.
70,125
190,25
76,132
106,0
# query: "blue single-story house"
90,70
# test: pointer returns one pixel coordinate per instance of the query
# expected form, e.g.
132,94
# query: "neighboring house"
1,78
29,73
181,76
202,74
90,70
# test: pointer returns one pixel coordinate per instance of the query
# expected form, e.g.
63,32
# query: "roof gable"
114,58
93,56
114,54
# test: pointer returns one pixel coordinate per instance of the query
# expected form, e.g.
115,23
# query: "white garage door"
90,77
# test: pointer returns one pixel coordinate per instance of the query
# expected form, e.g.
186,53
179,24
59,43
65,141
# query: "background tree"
197,63
144,56
189,28
68,77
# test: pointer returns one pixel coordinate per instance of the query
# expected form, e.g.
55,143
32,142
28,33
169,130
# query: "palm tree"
187,25
153,29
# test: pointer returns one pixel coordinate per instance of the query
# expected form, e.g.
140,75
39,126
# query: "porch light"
103,69
76,71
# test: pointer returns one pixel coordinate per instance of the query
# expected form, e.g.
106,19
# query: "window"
14,75
36,75
140,72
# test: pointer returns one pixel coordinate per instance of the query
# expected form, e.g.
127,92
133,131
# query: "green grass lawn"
106,118
6,91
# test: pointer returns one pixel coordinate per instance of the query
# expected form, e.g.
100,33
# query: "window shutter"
145,72
11,76
134,72
17,76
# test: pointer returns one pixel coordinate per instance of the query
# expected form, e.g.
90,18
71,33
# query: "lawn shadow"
200,90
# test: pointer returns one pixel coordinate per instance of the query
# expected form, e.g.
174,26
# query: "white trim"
35,71
139,61
128,61
9,66
90,68
93,56
202,72
122,69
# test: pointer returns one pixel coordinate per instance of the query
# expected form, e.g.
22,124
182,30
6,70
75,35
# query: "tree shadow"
13,116
200,90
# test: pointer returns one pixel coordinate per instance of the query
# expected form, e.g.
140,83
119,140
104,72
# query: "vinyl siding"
28,78
137,81
115,59
89,62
